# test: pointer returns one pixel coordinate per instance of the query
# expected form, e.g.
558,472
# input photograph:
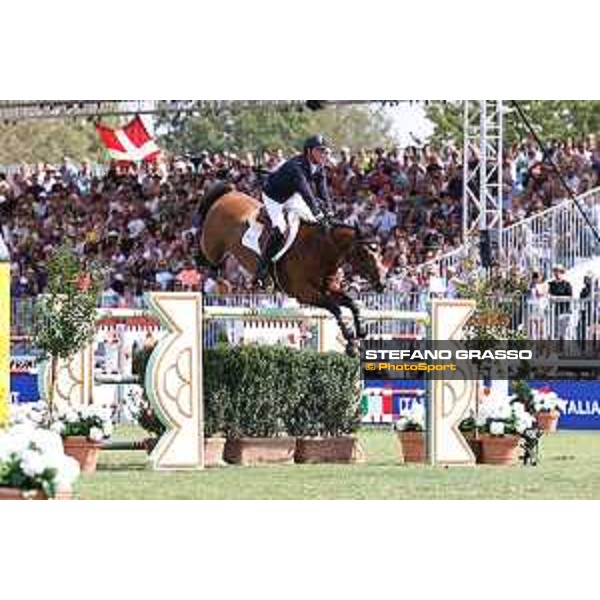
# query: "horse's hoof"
262,284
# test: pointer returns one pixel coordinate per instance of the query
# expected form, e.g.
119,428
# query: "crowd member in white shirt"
385,220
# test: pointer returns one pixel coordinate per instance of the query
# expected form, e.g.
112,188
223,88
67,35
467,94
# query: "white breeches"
278,212
4,255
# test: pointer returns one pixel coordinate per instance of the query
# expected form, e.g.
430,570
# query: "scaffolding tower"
482,174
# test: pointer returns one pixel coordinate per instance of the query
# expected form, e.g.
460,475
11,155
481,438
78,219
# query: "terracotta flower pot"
258,451
213,451
498,449
548,421
83,450
9,493
342,449
412,446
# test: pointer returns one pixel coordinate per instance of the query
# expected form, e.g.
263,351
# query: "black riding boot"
273,245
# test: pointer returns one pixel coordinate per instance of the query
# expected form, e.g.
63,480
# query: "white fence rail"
549,318
556,235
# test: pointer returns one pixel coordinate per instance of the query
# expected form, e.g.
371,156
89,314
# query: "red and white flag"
131,143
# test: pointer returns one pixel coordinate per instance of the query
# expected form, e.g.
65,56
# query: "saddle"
263,219
259,232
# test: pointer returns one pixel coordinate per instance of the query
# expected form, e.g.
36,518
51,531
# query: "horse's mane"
361,236
334,223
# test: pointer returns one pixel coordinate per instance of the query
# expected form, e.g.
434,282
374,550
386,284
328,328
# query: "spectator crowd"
140,222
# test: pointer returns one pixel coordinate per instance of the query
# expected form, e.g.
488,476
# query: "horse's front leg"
329,303
348,302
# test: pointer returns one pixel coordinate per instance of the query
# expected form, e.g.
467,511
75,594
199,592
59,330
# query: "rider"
291,188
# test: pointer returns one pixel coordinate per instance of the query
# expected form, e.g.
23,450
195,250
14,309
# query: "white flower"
96,434
71,416
547,401
57,427
47,442
6,449
497,428
67,473
523,422
418,412
20,437
37,453
503,410
31,412
32,463
108,429
518,408
414,416
402,423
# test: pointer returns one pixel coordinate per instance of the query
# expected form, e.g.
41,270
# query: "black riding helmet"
315,141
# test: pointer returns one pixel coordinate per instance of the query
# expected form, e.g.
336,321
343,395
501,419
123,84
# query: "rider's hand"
323,221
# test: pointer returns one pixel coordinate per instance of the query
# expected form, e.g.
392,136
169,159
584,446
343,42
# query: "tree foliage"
258,130
551,119
48,141
65,315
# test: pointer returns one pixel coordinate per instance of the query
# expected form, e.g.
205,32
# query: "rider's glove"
323,221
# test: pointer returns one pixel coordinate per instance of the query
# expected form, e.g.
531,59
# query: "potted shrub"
65,316
327,413
502,421
83,429
410,433
33,465
547,406
260,384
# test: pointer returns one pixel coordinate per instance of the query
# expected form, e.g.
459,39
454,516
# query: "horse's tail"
214,192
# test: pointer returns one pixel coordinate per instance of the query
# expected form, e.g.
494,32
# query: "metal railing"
558,318
559,234
225,328
11,169
545,318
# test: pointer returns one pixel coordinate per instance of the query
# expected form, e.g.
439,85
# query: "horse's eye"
373,247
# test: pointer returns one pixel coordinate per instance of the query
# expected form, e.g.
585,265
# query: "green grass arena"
569,469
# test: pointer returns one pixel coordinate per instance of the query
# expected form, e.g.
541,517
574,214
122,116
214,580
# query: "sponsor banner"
383,402
23,364
24,379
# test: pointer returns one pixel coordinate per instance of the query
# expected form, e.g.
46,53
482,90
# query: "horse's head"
365,258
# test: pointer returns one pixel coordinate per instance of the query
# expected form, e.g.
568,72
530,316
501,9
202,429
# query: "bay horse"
308,270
